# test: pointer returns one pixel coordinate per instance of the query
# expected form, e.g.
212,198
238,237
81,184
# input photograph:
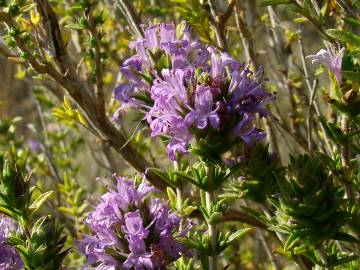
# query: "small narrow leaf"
39,201
171,195
238,234
263,3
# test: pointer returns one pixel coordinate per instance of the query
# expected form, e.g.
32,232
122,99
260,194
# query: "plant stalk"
210,198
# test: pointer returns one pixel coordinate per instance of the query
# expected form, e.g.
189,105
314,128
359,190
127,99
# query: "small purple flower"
331,60
175,147
134,227
151,38
203,109
140,46
246,131
34,145
167,33
139,257
129,194
124,92
219,62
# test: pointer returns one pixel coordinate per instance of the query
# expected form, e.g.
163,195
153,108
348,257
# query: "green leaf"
344,36
345,237
7,212
171,195
191,243
350,75
291,241
39,201
324,10
300,249
264,3
352,21
344,260
238,234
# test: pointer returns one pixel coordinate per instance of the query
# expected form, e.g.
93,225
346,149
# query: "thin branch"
310,90
99,90
241,216
131,16
310,115
219,31
345,157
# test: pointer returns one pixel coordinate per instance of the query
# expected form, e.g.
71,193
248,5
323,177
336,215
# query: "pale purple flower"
124,92
219,61
134,226
331,60
130,195
167,33
175,147
140,46
9,258
171,86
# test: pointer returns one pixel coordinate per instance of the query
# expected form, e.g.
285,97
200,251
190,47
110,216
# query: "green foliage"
201,241
193,12
44,247
309,209
258,176
198,175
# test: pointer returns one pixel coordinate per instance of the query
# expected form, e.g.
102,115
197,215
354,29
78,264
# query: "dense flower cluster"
131,231
9,258
190,90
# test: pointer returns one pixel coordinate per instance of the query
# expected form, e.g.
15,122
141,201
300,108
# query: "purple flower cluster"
131,231
190,90
9,258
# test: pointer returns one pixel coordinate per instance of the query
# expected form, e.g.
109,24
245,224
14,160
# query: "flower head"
194,92
127,224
